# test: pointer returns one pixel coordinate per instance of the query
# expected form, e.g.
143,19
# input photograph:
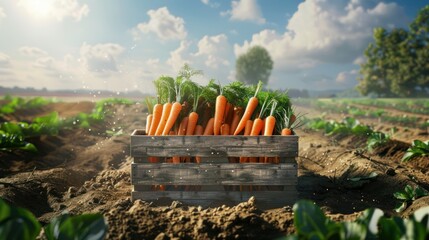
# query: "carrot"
166,109
257,127
148,123
270,121
224,129
183,125
247,130
172,117
157,113
250,108
227,117
199,130
219,113
286,131
209,127
238,111
192,123
153,159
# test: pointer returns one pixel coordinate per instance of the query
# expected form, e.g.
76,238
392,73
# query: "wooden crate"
215,180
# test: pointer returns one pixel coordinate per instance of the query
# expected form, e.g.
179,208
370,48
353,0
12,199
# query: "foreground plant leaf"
17,223
86,226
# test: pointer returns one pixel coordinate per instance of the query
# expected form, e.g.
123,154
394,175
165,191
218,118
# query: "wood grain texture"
217,179
213,146
213,174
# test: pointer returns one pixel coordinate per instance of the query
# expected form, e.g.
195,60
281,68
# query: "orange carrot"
157,113
257,127
174,114
209,127
199,130
192,123
250,108
247,130
153,159
229,110
238,111
270,123
183,125
166,109
286,131
219,113
224,129
148,123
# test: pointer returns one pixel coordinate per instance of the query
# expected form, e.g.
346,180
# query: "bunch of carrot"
183,107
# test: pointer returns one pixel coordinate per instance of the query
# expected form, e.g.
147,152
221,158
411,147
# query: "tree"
254,66
396,63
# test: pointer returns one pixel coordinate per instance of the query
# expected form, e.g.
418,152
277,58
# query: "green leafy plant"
9,142
408,195
418,148
19,223
311,223
87,226
376,139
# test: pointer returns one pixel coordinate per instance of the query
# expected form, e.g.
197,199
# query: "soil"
87,170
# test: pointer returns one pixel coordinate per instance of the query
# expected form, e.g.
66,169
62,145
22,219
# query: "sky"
125,45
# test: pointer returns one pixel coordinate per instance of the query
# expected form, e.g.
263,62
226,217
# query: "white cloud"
211,4
165,25
359,60
245,10
212,55
347,78
101,57
4,60
32,51
58,9
322,31
215,50
2,14
179,56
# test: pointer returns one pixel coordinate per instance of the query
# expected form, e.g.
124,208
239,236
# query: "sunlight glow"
39,8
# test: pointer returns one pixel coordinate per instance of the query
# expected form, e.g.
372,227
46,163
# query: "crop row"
14,135
345,106
351,126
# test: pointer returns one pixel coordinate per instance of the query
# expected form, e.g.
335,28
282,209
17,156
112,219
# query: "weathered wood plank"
213,146
214,174
264,199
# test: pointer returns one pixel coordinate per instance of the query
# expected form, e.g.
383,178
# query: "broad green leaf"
309,220
414,230
17,223
401,195
401,207
86,226
370,219
391,228
422,215
408,156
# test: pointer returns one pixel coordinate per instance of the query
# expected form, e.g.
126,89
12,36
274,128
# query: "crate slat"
212,174
213,146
